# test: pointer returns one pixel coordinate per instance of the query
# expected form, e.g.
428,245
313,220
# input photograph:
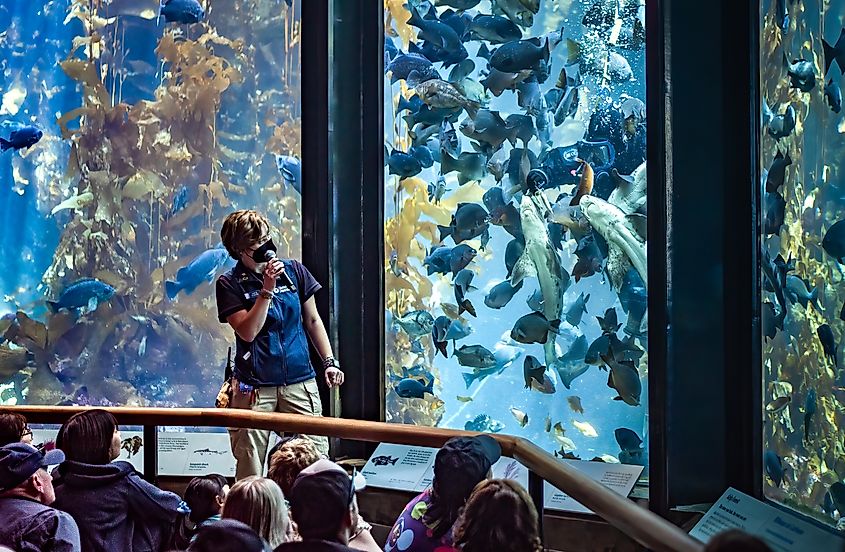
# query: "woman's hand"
271,272
334,376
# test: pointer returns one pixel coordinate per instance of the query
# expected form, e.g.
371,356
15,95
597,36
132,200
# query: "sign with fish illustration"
515,191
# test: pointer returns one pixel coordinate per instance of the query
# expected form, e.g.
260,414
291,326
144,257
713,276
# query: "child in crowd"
425,525
505,505
735,540
258,502
114,508
14,429
287,460
204,497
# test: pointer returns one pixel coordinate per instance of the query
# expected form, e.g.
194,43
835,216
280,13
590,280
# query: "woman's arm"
313,324
247,323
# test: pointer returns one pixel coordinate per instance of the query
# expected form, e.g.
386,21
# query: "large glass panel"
134,129
802,57
515,190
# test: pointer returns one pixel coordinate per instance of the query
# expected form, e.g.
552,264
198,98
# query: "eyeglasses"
27,432
261,241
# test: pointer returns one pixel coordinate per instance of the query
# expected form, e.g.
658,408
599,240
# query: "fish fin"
53,305
92,304
172,289
469,378
574,52
554,326
618,398
445,232
447,162
640,224
522,269
4,144
814,299
829,55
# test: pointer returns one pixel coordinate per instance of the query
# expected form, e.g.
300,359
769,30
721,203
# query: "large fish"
201,269
539,259
619,230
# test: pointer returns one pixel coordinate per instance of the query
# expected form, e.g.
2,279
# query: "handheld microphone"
269,256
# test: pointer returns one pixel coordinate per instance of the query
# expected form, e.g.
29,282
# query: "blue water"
497,395
190,118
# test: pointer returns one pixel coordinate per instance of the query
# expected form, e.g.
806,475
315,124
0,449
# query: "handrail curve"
642,525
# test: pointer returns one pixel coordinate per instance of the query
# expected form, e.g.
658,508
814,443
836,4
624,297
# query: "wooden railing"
637,522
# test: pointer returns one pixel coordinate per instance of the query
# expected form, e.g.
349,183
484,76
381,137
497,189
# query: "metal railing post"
151,453
535,489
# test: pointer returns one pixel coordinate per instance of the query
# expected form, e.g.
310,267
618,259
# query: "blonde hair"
499,515
259,502
243,229
291,458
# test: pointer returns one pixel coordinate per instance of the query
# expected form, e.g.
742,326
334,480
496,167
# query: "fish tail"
447,162
814,298
829,55
416,19
172,289
469,378
574,52
4,144
445,231
467,306
554,326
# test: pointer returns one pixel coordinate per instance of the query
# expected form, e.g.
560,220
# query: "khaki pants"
249,446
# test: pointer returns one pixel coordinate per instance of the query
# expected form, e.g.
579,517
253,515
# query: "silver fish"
619,230
438,93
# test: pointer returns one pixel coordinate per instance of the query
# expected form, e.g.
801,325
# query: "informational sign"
194,453
131,445
619,478
400,467
781,530
408,468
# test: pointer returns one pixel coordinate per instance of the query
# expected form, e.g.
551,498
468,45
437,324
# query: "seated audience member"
258,502
323,505
228,535
204,497
425,525
114,508
735,540
287,460
505,505
27,522
13,428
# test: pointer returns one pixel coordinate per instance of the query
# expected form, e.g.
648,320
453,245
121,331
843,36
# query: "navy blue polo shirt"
279,353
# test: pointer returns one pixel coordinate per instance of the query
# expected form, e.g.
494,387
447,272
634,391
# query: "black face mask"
260,254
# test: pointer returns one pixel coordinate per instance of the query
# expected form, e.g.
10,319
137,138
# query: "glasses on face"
27,432
261,241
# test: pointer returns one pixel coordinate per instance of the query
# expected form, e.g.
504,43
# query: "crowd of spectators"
92,502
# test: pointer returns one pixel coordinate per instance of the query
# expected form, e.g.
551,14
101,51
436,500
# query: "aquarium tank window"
129,130
515,208
802,57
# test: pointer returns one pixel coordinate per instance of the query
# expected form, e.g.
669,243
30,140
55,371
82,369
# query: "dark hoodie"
114,508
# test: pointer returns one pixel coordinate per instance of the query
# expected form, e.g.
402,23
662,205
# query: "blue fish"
86,292
202,268
774,467
413,68
180,200
23,137
412,104
290,167
809,410
411,388
182,11
403,164
438,260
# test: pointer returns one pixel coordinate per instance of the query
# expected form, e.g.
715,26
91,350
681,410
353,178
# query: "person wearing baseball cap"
323,506
425,525
27,522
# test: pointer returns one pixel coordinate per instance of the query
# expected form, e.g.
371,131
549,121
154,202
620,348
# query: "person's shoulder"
313,546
